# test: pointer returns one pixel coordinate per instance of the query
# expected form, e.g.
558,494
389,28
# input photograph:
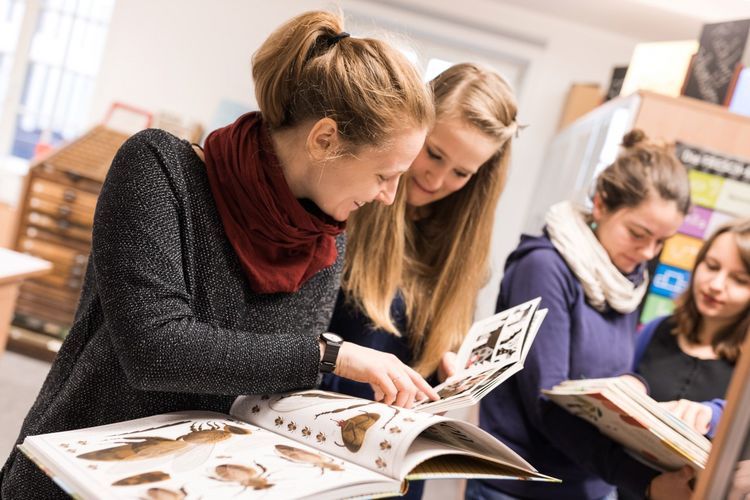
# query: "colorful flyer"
656,306
705,188
680,251
696,221
734,198
670,281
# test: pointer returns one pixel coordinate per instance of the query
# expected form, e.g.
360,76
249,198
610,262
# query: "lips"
709,300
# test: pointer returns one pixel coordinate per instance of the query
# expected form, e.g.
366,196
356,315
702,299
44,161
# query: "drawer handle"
69,195
64,210
63,223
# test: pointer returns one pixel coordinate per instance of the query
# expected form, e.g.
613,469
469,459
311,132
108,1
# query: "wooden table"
14,268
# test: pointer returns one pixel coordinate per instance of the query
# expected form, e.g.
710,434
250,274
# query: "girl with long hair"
413,269
213,274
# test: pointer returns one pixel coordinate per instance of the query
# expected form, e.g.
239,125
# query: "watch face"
332,337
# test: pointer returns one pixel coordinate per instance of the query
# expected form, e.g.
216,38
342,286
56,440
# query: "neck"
708,330
288,146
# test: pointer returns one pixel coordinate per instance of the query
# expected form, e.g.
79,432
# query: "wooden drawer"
61,227
33,306
63,194
82,247
61,210
59,255
52,293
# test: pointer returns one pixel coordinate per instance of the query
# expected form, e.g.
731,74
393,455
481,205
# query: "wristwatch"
330,352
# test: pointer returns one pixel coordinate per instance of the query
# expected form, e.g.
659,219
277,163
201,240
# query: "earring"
593,225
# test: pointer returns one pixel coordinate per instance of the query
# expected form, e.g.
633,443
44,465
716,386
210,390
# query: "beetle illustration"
301,456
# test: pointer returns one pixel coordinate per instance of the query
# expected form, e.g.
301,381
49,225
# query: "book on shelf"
627,415
305,444
492,351
308,444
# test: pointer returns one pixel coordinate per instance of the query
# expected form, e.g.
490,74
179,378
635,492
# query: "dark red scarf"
279,243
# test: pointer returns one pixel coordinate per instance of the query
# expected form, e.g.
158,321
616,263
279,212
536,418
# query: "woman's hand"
740,481
696,415
672,485
447,367
393,382
635,382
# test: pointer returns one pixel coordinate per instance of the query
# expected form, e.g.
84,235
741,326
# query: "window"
56,51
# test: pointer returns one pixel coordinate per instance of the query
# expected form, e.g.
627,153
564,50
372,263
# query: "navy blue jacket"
575,341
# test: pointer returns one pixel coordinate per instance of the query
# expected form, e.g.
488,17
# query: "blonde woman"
213,273
413,270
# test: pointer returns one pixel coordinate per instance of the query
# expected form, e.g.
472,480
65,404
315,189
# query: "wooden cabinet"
55,221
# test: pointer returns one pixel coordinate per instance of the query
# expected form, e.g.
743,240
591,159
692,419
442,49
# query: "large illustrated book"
309,444
632,418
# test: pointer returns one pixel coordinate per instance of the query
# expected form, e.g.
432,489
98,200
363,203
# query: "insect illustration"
395,430
244,476
165,494
145,478
320,437
301,456
255,409
385,445
200,440
279,421
306,431
353,430
585,409
381,463
292,427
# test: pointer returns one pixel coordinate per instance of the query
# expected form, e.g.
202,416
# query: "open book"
309,444
493,350
624,413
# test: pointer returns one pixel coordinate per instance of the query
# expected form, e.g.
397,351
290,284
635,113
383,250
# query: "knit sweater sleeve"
542,273
140,256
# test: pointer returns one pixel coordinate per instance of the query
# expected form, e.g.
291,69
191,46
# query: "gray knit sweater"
167,320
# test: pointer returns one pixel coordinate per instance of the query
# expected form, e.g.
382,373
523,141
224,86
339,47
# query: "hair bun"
634,137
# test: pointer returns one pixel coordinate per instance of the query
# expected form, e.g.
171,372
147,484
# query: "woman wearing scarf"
213,275
589,269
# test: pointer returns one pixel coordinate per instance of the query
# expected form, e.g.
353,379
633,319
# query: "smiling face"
633,235
721,282
350,181
453,152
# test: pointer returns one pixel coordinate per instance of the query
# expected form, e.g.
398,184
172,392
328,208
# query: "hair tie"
336,38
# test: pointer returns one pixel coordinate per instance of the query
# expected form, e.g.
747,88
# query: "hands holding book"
671,485
696,415
393,382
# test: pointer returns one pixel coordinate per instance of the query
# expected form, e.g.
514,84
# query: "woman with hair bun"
214,274
589,269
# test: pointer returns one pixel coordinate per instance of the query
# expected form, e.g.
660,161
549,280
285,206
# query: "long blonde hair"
439,262
308,68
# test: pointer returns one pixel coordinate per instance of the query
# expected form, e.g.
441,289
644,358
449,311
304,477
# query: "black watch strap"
332,344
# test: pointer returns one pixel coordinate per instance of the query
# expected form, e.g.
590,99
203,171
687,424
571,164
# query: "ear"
599,209
323,140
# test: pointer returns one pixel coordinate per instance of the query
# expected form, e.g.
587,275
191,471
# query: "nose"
387,195
717,281
650,250
433,179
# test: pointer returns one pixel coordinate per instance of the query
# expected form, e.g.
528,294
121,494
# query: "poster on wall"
720,191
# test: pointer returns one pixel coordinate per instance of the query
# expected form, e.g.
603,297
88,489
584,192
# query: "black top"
671,374
167,320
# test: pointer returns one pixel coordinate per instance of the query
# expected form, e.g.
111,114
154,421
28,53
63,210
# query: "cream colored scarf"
602,282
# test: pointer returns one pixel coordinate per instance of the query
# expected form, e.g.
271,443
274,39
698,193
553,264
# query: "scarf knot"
280,243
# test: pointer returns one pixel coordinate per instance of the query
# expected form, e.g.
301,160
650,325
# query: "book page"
195,455
370,434
499,338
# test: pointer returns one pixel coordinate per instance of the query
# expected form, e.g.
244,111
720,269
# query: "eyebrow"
643,228
442,153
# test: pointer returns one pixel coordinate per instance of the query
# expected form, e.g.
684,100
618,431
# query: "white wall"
183,56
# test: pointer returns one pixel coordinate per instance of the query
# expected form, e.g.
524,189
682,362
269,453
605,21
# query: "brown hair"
307,70
728,341
441,261
643,169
